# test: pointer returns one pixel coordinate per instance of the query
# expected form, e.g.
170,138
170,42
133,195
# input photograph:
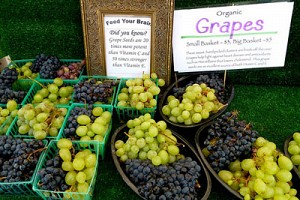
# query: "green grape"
39,135
83,187
171,139
87,152
225,175
173,103
80,177
284,186
285,163
153,146
132,155
119,144
78,164
139,105
141,142
196,118
97,111
29,115
149,139
163,154
64,143
65,154
259,186
70,178
188,121
11,105
145,125
135,149
81,130
151,154
153,131
172,158
67,166
161,125
270,167
264,151
53,88
278,190
295,159
80,154
98,129
142,155
244,191
123,158
166,110
89,172
296,137
173,150
83,119
247,164
156,160
90,160
24,128
294,149
284,175
204,113
53,131
260,174
235,166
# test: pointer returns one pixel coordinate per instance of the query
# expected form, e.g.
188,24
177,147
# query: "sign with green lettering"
231,37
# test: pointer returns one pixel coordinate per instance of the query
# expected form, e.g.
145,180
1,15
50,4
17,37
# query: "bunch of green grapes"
54,92
8,113
198,102
80,166
148,139
93,125
266,175
41,120
140,93
25,71
294,149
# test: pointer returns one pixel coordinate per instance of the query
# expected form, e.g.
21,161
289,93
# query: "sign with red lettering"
231,37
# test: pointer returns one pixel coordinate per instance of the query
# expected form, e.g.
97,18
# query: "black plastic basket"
187,150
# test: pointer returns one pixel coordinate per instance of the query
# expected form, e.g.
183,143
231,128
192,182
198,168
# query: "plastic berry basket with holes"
6,121
24,187
71,124
14,129
65,71
53,151
95,90
62,97
127,112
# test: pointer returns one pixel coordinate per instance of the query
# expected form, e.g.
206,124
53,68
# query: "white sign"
232,37
127,45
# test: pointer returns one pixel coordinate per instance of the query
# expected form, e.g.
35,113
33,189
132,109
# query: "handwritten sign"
232,37
127,45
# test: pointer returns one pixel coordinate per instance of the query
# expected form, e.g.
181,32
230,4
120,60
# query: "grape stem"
52,118
36,82
176,143
35,151
127,134
2,178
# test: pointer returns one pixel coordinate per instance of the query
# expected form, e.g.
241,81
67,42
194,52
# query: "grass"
272,110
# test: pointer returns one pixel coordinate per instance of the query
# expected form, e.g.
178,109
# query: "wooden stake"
176,80
225,74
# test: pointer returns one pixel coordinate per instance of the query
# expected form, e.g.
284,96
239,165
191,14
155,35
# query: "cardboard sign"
232,37
4,62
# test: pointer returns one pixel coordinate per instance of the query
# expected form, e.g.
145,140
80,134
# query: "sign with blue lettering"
231,37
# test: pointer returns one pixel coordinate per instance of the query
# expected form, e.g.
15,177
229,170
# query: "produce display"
249,164
194,100
18,159
55,91
94,91
7,114
87,123
68,170
154,163
140,93
294,149
40,121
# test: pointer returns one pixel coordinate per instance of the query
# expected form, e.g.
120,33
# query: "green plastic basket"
127,112
14,128
66,62
102,144
22,187
98,78
36,87
6,125
50,153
